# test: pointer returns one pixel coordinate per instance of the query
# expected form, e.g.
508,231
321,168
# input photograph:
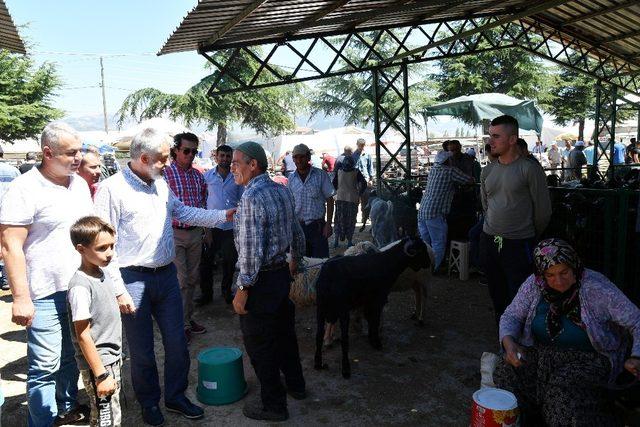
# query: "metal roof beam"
235,21
322,13
600,12
510,18
621,37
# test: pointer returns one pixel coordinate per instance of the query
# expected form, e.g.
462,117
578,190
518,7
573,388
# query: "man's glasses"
188,151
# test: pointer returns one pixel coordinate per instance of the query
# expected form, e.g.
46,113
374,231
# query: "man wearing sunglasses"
189,185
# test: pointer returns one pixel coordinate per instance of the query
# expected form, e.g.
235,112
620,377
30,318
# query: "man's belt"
275,266
189,228
142,269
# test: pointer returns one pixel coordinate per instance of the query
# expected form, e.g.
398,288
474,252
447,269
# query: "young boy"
96,329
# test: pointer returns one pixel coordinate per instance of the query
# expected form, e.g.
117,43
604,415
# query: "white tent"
330,141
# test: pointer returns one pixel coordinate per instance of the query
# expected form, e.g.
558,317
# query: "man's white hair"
148,141
52,133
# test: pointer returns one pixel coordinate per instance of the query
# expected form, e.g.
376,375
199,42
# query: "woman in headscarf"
349,184
566,339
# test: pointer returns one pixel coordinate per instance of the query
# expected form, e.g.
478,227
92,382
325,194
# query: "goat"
362,280
383,227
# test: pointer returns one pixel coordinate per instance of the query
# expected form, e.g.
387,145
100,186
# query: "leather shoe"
256,411
186,409
152,416
298,395
79,414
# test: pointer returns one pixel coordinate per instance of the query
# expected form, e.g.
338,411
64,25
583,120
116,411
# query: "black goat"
363,280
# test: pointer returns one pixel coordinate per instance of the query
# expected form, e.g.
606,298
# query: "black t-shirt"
25,167
631,148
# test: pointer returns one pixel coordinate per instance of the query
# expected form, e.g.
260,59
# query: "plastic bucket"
494,407
220,376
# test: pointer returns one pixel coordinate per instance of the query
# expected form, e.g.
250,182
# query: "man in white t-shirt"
35,217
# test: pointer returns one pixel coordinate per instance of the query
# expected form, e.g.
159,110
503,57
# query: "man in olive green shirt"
517,208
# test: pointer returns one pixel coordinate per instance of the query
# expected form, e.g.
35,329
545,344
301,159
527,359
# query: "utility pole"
104,98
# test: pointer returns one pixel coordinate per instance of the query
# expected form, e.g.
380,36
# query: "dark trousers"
506,268
474,243
269,335
222,242
317,245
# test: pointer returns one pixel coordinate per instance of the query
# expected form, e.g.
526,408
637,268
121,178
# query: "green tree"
26,92
268,111
514,72
573,98
351,96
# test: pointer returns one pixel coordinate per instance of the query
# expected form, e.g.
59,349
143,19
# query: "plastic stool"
459,258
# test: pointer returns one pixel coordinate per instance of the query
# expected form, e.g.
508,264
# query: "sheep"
363,280
303,287
408,279
383,227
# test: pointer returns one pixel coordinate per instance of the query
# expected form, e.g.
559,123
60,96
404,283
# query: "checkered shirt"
438,195
188,185
265,228
311,195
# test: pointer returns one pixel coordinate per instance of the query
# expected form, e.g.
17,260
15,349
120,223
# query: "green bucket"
220,376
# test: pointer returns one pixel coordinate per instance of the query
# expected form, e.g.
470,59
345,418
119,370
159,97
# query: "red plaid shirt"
188,185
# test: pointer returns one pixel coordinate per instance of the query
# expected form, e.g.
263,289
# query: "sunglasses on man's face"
188,151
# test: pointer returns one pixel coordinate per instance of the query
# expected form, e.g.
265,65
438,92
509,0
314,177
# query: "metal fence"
601,225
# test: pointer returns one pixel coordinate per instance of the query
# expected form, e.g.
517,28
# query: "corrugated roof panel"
9,37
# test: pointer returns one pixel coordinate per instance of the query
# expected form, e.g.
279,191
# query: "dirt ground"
423,376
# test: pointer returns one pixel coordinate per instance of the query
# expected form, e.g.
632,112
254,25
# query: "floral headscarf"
546,254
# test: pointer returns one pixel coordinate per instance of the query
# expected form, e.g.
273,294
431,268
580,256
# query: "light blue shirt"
588,153
222,193
7,174
311,195
618,153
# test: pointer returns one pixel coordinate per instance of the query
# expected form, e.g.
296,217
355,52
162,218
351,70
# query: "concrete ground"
423,376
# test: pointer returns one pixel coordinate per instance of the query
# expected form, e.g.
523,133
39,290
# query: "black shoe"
258,412
186,409
202,301
297,395
152,416
79,414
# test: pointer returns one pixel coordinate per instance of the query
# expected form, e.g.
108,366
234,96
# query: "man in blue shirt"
619,151
7,174
222,193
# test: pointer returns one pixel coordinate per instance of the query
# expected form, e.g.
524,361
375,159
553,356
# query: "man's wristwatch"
102,376
242,288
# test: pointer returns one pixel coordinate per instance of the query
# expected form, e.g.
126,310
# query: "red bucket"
494,407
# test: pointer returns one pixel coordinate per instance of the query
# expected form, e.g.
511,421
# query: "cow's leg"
344,342
420,299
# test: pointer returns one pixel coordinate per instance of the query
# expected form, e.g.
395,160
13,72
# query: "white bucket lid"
496,399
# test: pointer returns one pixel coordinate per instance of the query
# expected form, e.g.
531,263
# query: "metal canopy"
247,41
9,37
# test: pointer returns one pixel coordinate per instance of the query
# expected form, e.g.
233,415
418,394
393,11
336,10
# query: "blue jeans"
434,233
52,378
156,295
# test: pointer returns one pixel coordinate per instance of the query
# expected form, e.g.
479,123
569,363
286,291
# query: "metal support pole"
612,132
376,128
638,127
593,173
407,121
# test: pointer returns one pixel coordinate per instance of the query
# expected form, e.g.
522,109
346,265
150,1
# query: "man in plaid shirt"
188,184
436,203
265,229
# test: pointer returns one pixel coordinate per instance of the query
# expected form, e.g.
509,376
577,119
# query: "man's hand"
633,365
293,267
327,230
126,303
240,300
230,213
106,387
22,311
513,352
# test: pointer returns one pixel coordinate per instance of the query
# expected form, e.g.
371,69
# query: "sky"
127,34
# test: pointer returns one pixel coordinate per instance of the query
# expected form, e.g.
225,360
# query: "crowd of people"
134,246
